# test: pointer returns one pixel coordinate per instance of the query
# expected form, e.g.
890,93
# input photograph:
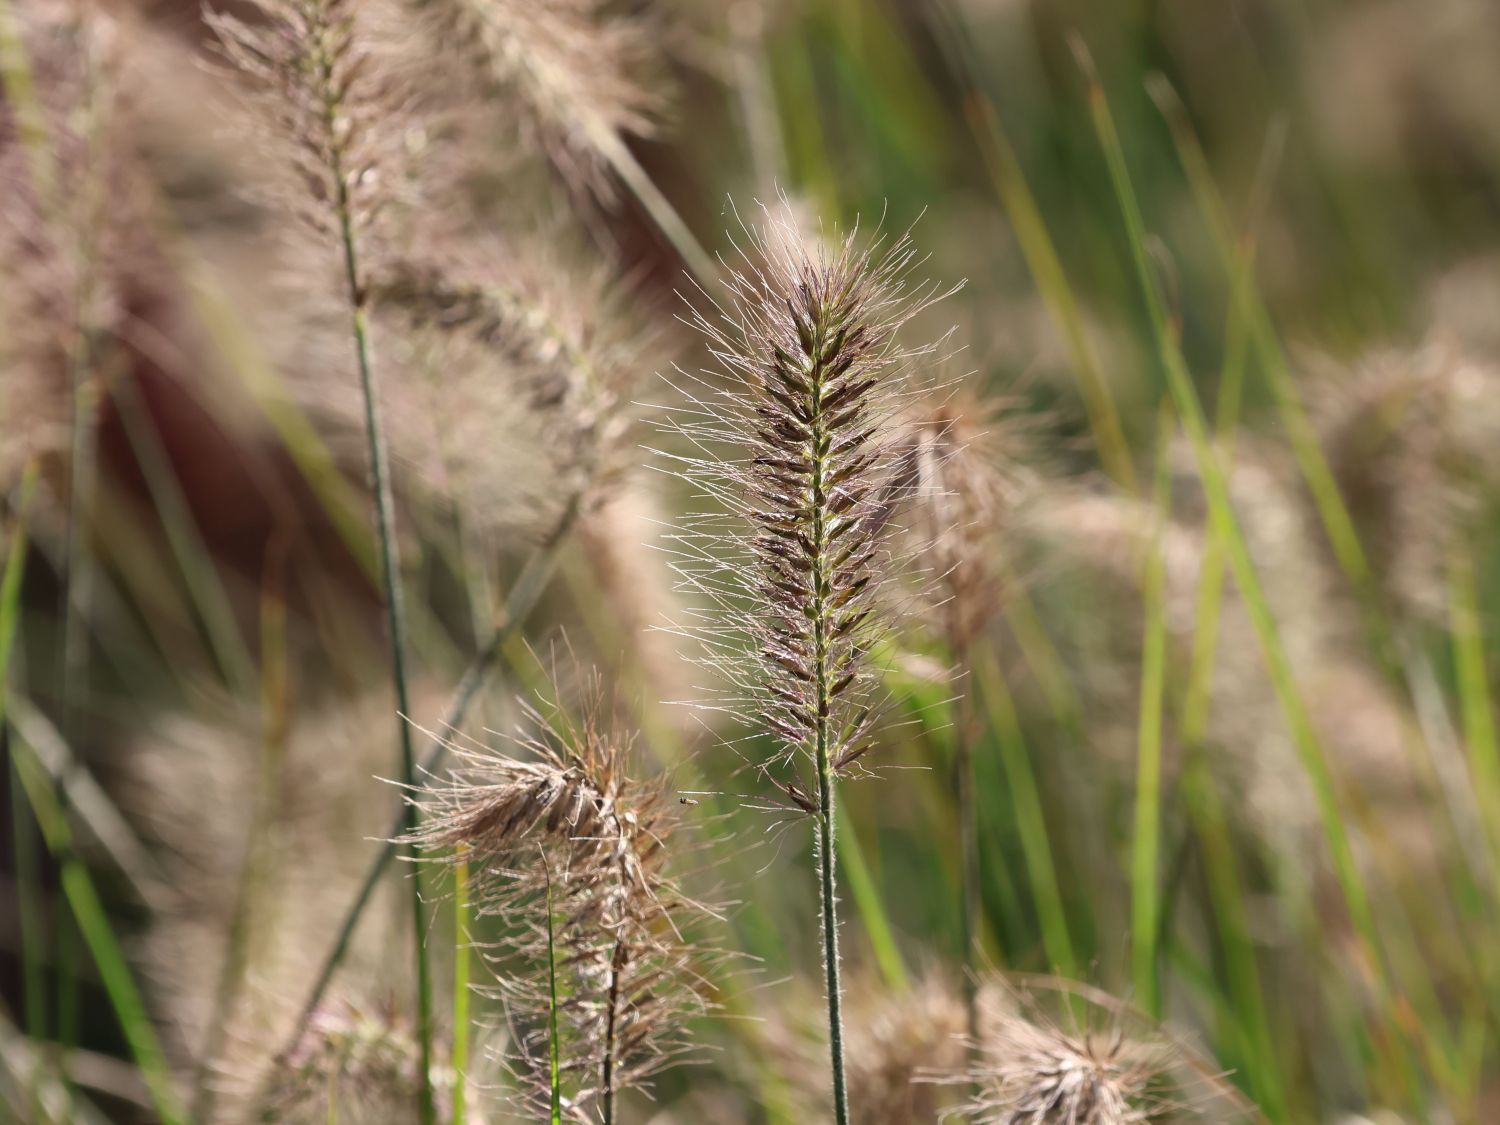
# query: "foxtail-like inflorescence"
573,852
799,446
577,74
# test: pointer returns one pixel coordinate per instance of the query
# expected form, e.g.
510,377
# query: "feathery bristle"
576,74
574,827
800,448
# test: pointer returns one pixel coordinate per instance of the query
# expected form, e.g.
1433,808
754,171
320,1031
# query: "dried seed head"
1414,442
960,454
896,1042
578,76
525,346
799,447
571,850
326,102
73,222
355,1065
1030,1071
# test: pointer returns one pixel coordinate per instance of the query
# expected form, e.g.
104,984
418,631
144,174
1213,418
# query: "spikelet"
577,75
573,826
799,443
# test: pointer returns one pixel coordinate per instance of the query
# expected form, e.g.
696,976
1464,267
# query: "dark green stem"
385,529
968,847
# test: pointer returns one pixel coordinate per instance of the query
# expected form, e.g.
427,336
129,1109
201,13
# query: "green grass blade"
1474,692
868,903
1145,892
1226,527
93,923
1035,845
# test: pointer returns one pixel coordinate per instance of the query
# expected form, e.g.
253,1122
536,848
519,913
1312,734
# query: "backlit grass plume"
574,72
572,853
568,362
1031,1070
799,446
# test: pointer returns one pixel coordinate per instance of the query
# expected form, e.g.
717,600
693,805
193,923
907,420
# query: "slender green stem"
1031,822
964,785
461,915
390,565
247,897
1226,528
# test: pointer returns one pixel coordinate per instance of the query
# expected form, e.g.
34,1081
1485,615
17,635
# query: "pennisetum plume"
580,859
324,97
1030,1069
959,495
797,441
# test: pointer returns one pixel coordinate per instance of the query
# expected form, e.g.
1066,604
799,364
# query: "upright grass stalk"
321,96
527,590
1036,245
461,948
799,446
390,569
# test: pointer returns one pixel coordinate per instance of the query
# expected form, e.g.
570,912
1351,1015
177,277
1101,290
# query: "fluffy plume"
799,443
325,101
72,212
1031,1071
354,1065
528,346
1414,441
898,1040
214,795
569,848
576,74
961,494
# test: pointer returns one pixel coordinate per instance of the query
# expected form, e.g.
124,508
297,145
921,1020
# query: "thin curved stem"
523,596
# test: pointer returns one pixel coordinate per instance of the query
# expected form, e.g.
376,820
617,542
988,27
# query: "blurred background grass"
1233,275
